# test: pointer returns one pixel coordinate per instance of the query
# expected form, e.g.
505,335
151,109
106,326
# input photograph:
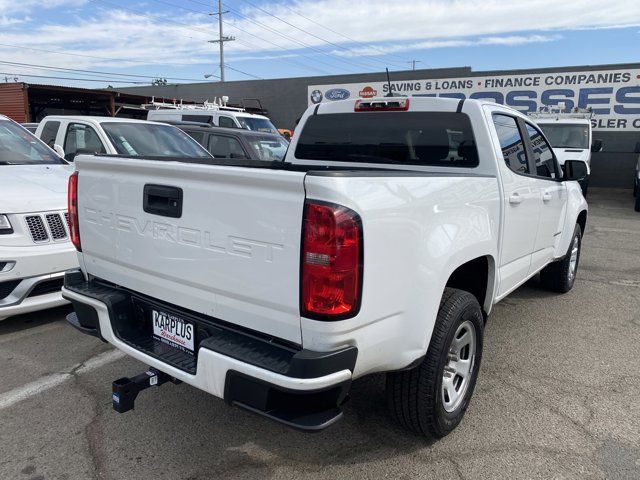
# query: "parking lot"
558,397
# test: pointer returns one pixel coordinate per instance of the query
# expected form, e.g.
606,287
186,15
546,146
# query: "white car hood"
33,188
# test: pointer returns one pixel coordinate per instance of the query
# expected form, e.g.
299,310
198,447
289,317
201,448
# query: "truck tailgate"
233,253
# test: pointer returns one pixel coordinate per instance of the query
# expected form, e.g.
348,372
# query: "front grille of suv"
56,226
48,227
36,228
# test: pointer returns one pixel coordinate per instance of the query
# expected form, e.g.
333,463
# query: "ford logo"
337,94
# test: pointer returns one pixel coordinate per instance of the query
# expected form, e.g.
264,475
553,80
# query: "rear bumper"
300,388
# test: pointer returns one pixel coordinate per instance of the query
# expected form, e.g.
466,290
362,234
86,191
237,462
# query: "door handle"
515,199
546,197
162,200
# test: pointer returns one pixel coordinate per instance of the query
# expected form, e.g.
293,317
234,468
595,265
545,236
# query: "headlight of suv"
5,225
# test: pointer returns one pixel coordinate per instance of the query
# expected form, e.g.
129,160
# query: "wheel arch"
582,220
476,276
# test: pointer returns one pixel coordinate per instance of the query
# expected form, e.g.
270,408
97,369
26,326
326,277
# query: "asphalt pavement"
558,397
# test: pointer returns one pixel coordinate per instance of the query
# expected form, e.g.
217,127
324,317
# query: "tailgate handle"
163,200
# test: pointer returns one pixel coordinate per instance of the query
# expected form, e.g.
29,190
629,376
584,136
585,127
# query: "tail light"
74,228
391,105
331,262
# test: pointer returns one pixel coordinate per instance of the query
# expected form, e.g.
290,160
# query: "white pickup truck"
72,135
380,244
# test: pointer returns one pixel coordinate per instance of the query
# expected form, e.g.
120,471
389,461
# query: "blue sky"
168,38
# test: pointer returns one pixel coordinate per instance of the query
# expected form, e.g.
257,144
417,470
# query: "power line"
240,71
287,37
233,25
188,27
106,80
64,69
341,34
290,60
307,32
58,52
315,60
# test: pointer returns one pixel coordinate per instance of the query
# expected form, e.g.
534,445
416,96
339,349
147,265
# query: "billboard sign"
614,95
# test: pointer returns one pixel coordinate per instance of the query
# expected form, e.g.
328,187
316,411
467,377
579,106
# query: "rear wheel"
637,207
559,276
431,398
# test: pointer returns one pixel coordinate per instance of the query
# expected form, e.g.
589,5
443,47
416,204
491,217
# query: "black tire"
556,276
637,206
414,396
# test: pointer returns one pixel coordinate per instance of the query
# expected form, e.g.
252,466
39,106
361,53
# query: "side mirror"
575,170
70,157
59,150
596,146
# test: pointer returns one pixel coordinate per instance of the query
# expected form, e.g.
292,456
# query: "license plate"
173,331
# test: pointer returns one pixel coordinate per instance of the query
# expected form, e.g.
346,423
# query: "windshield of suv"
19,147
566,135
269,147
155,140
257,124
443,139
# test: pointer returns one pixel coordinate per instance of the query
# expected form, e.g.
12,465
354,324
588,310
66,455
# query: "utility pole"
221,38
413,63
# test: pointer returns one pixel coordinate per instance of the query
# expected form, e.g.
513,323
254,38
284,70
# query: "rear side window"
226,122
197,136
221,146
511,143
443,139
81,137
198,118
542,153
50,132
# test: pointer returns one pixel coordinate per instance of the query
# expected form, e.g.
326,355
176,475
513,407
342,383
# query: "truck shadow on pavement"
28,321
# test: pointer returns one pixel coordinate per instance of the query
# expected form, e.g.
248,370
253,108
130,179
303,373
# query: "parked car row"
73,135
34,229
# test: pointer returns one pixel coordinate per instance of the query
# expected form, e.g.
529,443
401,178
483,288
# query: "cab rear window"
443,139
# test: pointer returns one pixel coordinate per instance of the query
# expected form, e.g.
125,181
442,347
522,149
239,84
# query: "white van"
570,134
219,116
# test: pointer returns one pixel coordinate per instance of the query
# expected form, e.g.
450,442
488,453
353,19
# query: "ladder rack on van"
562,113
217,104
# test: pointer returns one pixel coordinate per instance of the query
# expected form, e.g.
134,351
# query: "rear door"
81,137
521,203
50,132
232,253
553,194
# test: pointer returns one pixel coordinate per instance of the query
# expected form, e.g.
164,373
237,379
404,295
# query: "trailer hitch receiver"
125,390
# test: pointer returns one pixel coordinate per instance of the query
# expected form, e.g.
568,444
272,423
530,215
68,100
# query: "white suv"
34,236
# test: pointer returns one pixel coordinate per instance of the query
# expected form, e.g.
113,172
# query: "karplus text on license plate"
173,331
